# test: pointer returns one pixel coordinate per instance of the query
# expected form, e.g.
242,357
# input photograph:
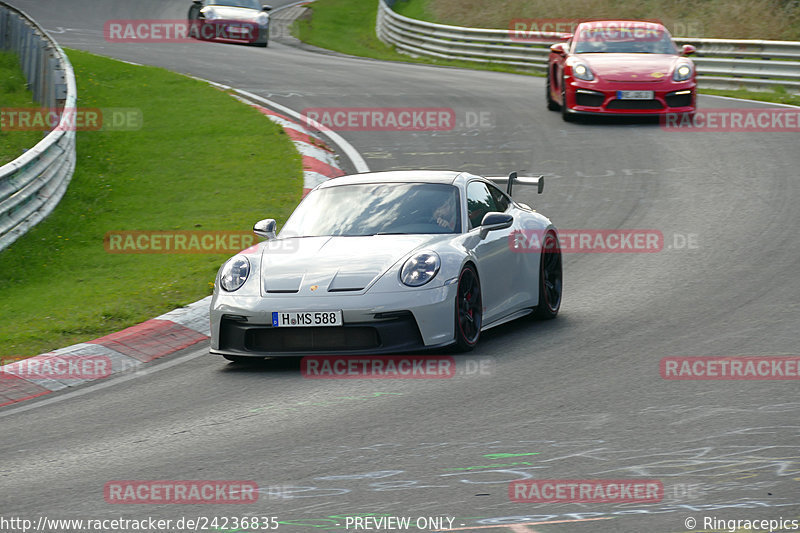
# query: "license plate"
635,95
307,319
238,29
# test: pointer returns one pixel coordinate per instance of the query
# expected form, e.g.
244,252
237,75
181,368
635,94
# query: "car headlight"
582,72
262,19
210,14
683,72
234,273
420,269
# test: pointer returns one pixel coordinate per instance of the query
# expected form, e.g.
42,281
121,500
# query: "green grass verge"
722,19
14,93
348,26
419,10
202,160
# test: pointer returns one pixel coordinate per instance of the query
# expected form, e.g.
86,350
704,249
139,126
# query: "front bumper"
380,323
593,98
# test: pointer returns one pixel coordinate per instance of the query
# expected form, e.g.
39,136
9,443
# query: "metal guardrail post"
33,184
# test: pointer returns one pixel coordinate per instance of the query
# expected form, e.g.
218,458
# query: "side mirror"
494,221
265,228
558,48
688,49
198,3
266,8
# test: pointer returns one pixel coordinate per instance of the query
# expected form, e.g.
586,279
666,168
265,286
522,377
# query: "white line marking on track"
762,102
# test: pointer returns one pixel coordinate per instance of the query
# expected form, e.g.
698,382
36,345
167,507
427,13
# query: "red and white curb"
140,344
118,352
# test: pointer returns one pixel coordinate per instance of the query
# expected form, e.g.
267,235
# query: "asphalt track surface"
583,393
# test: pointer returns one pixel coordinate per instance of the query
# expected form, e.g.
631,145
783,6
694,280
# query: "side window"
500,199
479,202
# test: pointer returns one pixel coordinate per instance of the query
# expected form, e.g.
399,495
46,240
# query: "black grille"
634,104
309,339
393,332
679,100
589,99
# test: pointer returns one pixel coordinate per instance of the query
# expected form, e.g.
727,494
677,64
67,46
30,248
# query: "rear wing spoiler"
522,180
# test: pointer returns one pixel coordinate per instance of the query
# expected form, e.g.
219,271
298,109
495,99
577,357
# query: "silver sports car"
230,20
388,262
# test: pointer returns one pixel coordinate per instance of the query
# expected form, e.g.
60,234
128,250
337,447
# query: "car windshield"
252,4
376,208
624,40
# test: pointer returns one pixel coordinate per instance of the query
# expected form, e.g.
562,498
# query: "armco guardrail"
32,185
721,63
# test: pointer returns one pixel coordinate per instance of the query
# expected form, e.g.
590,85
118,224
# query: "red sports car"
620,68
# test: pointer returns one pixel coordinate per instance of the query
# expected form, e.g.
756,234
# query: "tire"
551,282
468,310
193,33
244,360
565,114
552,105
265,42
